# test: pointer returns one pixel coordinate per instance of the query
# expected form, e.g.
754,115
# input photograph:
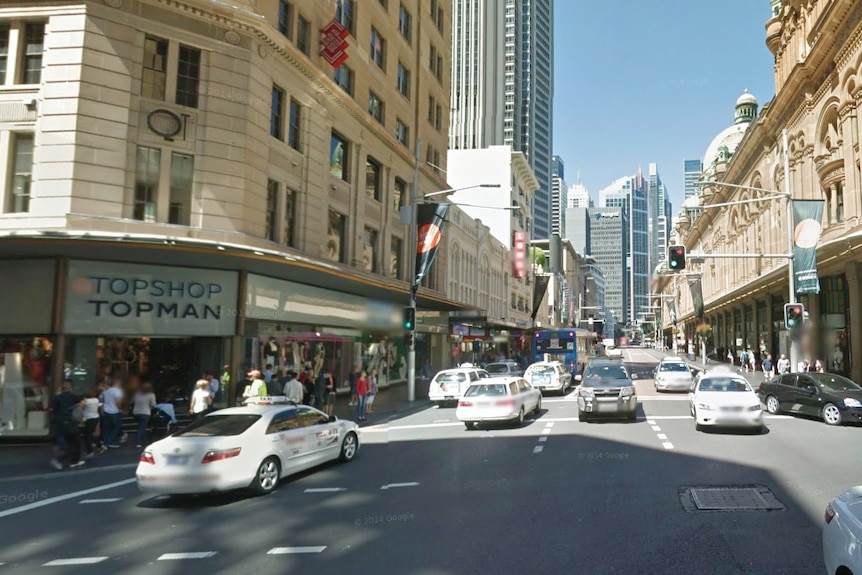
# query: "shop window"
339,157
27,384
395,251
34,40
285,19
147,173
4,52
335,246
369,250
373,175
376,108
188,76
182,176
155,68
22,173
289,238
276,113
271,231
378,49
293,131
343,76
302,34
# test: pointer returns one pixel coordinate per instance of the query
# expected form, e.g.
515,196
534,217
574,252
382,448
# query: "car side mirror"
332,419
579,377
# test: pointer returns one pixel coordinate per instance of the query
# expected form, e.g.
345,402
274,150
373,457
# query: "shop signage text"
201,306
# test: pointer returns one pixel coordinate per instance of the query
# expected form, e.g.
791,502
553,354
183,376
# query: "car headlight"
586,392
850,402
627,392
704,407
757,407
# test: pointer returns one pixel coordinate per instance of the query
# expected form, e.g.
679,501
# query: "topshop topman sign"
128,299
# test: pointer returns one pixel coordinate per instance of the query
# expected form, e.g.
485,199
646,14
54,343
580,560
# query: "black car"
833,398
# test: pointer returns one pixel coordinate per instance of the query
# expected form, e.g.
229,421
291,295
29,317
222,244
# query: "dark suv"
606,389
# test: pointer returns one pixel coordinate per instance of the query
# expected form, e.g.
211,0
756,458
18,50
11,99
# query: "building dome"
746,98
726,142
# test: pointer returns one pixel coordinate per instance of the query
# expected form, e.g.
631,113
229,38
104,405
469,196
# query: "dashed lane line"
107,500
546,431
543,439
75,561
656,428
667,445
325,489
406,484
295,550
662,436
58,499
184,556
538,449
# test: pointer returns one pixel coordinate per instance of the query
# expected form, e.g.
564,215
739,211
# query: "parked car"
722,398
606,389
499,399
831,397
842,534
450,384
549,376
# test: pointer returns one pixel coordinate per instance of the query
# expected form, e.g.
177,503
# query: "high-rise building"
693,170
579,197
502,86
630,193
609,239
559,196
660,212
578,229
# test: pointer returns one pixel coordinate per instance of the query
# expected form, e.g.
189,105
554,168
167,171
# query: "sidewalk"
755,378
23,461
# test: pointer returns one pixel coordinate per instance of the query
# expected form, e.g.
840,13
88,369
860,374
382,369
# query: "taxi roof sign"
269,400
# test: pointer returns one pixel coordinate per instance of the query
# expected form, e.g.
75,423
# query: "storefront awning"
191,253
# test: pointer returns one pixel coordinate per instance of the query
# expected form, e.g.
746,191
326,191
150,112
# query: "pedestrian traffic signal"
794,315
409,318
676,258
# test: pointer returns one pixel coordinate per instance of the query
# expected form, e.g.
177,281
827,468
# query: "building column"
768,320
833,203
754,338
813,309
854,295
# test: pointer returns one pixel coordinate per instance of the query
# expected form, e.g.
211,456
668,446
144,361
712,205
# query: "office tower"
559,195
693,169
609,240
660,211
578,229
630,193
579,197
502,86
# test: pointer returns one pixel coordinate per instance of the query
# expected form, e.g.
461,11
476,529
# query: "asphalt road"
425,496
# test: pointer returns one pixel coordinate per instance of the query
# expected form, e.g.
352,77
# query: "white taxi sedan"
842,534
722,398
253,446
498,399
549,376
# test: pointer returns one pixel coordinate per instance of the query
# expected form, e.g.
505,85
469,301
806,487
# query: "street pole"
791,276
414,285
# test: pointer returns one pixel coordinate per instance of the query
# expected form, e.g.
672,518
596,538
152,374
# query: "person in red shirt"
362,395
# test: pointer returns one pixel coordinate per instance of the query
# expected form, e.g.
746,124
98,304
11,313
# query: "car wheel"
469,424
538,407
773,406
349,447
831,414
632,417
691,410
268,474
520,419
582,416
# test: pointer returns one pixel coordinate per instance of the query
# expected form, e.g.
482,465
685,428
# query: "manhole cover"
729,498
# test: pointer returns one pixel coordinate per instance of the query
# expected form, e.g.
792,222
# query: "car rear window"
543,369
451,378
673,367
497,368
220,425
486,389
723,384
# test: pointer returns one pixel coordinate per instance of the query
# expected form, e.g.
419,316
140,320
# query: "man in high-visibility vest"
225,379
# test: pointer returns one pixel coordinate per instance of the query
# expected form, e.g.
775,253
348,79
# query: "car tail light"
220,454
147,457
830,513
505,403
463,403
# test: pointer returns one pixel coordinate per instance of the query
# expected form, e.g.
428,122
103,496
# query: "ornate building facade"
818,77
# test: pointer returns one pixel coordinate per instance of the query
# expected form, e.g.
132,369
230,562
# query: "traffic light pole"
414,286
791,272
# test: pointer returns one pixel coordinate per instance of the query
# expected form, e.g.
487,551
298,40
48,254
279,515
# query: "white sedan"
498,399
723,398
842,534
253,446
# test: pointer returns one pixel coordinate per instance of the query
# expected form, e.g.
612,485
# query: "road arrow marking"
409,484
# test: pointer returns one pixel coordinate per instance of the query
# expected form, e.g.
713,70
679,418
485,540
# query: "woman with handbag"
92,430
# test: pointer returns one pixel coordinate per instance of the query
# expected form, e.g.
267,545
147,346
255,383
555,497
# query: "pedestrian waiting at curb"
361,395
372,391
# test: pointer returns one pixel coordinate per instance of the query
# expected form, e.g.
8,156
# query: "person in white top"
293,390
91,424
783,364
112,401
143,404
201,399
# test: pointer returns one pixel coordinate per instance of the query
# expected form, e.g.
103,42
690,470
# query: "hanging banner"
807,218
696,286
519,255
540,286
333,40
671,310
430,219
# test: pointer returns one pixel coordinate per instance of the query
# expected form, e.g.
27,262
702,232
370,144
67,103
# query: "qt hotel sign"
519,255
127,299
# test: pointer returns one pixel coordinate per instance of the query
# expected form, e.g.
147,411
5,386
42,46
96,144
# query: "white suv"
549,376
450,384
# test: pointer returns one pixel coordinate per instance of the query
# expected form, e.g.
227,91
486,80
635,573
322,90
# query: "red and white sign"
519,255
333,41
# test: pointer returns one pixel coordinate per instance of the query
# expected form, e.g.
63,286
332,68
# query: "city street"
425,496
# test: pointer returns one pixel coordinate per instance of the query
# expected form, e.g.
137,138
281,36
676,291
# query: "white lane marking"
60,498
294,550
657,398
662,436
181,556
75,561
543,439
549,424
108,500
441,421
385,428
656,428
325,489
690,417
538,449
407,484
650,421
546,431
668,445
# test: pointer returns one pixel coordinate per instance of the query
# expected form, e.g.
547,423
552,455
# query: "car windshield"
723,384
487,389
451,378
221,425
834,382
537,369
597,374
497,368
679,367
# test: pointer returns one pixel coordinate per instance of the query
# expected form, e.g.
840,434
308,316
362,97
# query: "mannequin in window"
270,351
319,356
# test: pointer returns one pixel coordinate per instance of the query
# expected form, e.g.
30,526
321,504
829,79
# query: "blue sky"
640,82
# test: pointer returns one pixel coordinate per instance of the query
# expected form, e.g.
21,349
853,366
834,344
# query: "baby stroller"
163,420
